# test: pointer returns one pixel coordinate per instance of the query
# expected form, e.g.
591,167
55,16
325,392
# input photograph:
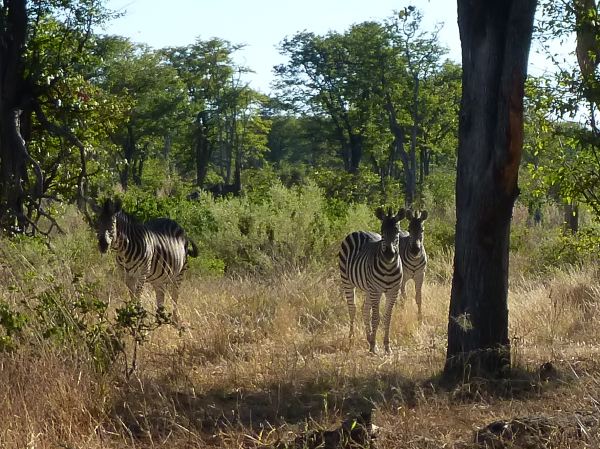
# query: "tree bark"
356,146
203,147
412,188
571,214
129,150
13,153
398,132
495,37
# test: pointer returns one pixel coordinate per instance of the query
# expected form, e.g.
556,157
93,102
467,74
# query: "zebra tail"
193,251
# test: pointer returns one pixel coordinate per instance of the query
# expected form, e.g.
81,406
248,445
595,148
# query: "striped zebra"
154,252
371,262
414,257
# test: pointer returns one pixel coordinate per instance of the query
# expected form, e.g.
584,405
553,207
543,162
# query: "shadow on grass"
520,383
150,408
153,408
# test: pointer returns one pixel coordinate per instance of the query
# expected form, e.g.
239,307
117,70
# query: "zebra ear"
117,206
107,207
400,215
93,205
423,215
380,213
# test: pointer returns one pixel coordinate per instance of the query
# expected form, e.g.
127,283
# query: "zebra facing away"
413,255
371,262
154,252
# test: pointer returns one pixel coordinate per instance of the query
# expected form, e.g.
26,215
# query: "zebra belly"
165,274
411,270
372,281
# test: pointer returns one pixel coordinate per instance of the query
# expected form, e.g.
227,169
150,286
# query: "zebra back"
154,251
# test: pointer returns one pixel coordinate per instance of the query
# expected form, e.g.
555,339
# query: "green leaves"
12,324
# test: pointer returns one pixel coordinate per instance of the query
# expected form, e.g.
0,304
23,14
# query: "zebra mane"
126,218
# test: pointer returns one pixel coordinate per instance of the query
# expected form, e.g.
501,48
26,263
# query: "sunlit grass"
262,357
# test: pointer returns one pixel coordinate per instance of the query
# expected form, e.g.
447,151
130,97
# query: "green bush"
361,187
12,324
439,191
569,249
439,235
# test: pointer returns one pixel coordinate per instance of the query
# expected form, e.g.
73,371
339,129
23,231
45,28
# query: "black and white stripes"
414,257
371,262
155,252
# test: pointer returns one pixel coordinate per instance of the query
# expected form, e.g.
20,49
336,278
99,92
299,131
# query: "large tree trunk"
13,153
495,36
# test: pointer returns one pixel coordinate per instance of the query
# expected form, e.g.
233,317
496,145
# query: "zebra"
154,252
413,255
371,262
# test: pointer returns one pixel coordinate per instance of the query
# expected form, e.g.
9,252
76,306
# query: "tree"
376,83
413,58
574,165
495,39
44,46
217,98
321,78
155,98
14,157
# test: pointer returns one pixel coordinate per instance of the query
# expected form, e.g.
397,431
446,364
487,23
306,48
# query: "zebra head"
415,229
106,225
390,231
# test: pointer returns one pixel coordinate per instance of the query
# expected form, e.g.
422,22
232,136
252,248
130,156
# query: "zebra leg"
390,300
403,287
374,301
348,291
135,285
160,297
175,297
419,277
367,317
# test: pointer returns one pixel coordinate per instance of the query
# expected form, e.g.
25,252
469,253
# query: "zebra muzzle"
103,245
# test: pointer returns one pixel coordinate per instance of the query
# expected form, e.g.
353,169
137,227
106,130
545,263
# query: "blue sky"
262,24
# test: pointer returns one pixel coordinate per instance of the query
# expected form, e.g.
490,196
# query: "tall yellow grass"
261,359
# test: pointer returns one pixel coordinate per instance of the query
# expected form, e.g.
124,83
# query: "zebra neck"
128,231
412,255
386,261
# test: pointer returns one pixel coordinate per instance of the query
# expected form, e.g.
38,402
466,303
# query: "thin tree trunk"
495,36
413,140
397,131
356,144
129,150
571,214
203,147
167,147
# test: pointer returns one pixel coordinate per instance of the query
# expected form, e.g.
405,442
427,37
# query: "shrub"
12,323
570,249
439,191
361,187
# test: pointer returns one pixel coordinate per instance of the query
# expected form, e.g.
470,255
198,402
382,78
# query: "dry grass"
262,359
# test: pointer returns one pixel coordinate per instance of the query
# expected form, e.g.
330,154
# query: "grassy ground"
263,359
